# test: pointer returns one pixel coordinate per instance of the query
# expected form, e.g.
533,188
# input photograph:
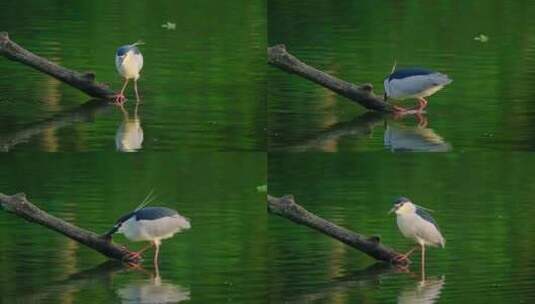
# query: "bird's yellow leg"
156,255
124,86
135,90
119,98
423,258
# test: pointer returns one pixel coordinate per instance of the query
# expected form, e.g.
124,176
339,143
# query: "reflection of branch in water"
368,277
64,289
359,127
85,112
425,292
129,136
152,290
399,137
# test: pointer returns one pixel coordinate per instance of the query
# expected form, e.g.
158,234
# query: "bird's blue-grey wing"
426,216
429,230
405,73
122,50
153,213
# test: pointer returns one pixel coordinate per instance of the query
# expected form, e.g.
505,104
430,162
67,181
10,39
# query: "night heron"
128,61
150,224
416,224
413,83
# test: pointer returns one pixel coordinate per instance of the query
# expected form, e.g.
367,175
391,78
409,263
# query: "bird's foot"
399,109
399,112
134,265
134,255
402,259
132,258
119,98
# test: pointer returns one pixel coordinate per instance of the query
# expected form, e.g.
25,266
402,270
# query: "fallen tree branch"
20,206
363,94
286,207
84,82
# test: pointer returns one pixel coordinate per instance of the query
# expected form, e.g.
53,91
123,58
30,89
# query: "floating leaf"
481,38
169,25
261,188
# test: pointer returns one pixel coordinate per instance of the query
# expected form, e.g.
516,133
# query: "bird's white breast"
130,66
406,225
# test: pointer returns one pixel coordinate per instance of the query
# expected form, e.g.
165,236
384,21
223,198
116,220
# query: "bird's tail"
441,79
183,222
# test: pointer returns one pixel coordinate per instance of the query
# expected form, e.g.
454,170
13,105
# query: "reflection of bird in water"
129,135
129,62
153,291
150,224
399,137
416,224
413,83
425,292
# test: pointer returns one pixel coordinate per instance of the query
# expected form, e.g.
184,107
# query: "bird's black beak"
393,209
108,234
